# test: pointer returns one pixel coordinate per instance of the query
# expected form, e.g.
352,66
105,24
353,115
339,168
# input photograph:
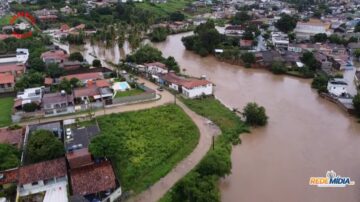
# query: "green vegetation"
240,18
310,61
105,146
5,111
147,53
76,56
5,20
150,143
164,9
201,184
356,102
205,39
255,115
278,68
9,157
96,63
159,34
30,107
43,146
286,23
127,93
320,83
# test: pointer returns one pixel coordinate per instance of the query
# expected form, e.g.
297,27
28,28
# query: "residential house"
7,83
93,179
294,48
280,40
46,15
328,64
58,103
43,176
79,158
337,87
305,30
29,95
68,10
14,64
235,30
267,58
54,56
13,137
189,87
246,44
178,26
156,68
89,94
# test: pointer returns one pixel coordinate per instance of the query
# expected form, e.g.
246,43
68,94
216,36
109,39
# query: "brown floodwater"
306,135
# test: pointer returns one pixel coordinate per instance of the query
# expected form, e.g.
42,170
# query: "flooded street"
306,135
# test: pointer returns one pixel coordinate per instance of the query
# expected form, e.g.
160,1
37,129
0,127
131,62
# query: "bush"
159,34
278,68
320,83
9,157
76,56
96,63
30,107
216,162
255,115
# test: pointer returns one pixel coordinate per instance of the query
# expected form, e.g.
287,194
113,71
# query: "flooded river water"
306,135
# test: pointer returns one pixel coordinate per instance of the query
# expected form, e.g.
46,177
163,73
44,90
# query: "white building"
21,57
305,30
31,95
337,87
156,68
190,88
280,40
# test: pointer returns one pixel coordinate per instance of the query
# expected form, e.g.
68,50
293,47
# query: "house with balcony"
58,103
280,40
54,56
235,30
29,95
156,68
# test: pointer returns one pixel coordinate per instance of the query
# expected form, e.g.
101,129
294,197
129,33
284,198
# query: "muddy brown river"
306,135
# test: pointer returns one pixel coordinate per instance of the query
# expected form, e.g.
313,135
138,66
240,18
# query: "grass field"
163,9
5,20
6,105
151,143
128,93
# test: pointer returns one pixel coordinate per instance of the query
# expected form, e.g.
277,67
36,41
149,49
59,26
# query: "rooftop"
13,137
42,171
9,176
57,98
6,78
86,91
79,158
185,82
92,179
85,76
11,66
54,54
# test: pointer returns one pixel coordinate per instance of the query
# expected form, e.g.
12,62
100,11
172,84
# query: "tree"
159,34
43,146
216,162
145,54
240,18
30,107
248,58
171,64
321,37
96,63
104,146
334,38
54,71
320,83
36,63
177,16
255,115
32,79
76,56
309,60
356,103
3,47
65,85
278,68
286,23
9,157
357,53
195,187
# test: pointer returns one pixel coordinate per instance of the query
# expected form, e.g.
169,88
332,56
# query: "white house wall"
198,91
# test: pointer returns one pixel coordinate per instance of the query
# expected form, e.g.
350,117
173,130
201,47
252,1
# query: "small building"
79,158
54,56
155,68
235,30
58,103
39,177
280,40
306,30
337,87
85,77
246,44
189,87
93,179
7,83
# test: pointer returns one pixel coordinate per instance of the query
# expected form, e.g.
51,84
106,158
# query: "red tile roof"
13,137
103,83
48,81
64,27
187,83
92,179
55,54
79,158
246,43
85,76
7,78
86,91
42,171
157,64
9,67
9,176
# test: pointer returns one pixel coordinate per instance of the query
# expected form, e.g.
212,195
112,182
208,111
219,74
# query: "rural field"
5,111
151,143
163,9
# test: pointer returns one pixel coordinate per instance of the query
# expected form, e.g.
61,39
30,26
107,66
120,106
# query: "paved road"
156,191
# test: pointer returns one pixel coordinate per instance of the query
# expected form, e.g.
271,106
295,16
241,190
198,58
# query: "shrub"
30,107
9,156
278,68
320,83
255,115
96,63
